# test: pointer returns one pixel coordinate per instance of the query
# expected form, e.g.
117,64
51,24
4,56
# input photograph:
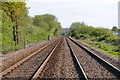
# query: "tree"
115,29
76,24
7,35
17,12
80,29
49,23
17,26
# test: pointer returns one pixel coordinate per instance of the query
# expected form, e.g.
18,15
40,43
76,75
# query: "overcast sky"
97,13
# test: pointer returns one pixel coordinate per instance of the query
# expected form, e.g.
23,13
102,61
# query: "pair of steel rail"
115,71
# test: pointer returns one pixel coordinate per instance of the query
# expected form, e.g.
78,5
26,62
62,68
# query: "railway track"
62,71
27,66
110,70
63,58
40,68
109,58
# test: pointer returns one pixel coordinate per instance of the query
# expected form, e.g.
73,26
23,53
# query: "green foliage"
98,34
76,24
13,0
17,26
104,47
115,29
0,26
36,34
80,30
49,23
101,38
7,37
17,12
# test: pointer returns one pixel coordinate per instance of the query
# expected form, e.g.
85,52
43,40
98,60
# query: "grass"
104,47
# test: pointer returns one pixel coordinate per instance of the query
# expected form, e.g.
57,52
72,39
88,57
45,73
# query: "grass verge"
104,47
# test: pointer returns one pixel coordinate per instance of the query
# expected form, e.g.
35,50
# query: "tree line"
99,37
80,30
18,26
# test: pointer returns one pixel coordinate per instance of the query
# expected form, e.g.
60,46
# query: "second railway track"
94,66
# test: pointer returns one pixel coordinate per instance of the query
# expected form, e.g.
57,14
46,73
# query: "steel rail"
43,64
78,66
22,61
115,71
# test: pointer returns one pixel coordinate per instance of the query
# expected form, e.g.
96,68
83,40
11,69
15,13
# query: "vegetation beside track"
101,38
18,27
104,47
